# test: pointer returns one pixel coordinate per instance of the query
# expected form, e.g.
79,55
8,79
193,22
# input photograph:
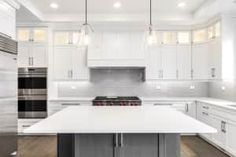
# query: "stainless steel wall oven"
32,92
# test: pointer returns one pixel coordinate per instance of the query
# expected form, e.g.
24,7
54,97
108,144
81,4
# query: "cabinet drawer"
224,113
26,123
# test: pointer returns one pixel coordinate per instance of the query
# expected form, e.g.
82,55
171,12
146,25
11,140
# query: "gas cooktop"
117,101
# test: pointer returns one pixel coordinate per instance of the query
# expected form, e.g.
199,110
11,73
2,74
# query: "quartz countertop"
119,119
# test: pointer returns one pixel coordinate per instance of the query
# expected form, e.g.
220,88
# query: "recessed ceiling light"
54,5
181,4
117,4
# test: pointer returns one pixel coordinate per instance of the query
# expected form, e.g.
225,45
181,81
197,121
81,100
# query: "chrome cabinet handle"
121,140
205,107
70,104
213,70
192,73
25,126
32,59
29,61
116,140
186,108
204,113
177,74
223,126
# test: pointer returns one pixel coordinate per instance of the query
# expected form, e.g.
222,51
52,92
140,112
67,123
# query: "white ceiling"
106,6
131,10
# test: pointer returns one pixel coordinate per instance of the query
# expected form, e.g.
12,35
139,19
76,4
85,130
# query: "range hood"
116,63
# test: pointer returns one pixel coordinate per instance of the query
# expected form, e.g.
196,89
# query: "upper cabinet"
200,36
7,20
169,38
36,35
184,38
32,47
63,38
214,31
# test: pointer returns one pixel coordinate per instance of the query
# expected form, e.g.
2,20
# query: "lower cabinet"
191,109
220,137
231,137
119,145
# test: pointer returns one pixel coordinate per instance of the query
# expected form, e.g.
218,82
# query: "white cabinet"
231,137
25,123
220,137
32,47
184,62
70,63
168,60
191,109
62,38
153,63
32,54
215,57
200,61
7,19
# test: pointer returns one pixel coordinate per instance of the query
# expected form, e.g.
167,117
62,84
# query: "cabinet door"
80,69
23,34
92,145
231,137
63,62
220,137
39,35
168,54
153,63
62,38
24,50
184,62
191,109
39,55
139,145
200,61
214,48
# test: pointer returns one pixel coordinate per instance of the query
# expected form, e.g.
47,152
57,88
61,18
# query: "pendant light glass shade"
152,34
86,29
85,35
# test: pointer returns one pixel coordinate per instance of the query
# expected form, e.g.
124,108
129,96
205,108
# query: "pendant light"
86,29
151,36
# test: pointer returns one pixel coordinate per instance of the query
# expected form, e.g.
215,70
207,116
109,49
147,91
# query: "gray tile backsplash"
223,90
127,82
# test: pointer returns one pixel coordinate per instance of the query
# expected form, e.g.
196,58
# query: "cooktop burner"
117,101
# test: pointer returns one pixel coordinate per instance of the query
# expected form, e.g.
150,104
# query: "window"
199,36
183,37
169,38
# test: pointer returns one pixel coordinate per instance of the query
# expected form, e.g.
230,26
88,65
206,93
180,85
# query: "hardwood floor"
46,146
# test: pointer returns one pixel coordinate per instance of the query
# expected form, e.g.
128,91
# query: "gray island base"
119,145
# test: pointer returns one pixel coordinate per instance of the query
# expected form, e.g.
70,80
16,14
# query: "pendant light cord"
86,12
150,12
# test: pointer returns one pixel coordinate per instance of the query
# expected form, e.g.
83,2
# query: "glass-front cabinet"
32,34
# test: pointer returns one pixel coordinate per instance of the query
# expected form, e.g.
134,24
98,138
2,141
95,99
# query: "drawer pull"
205,107
204,113
26,126
70,104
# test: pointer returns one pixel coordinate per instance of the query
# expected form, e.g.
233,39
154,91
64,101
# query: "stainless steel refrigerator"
8,97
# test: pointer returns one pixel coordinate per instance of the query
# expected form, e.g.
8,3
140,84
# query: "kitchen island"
119,131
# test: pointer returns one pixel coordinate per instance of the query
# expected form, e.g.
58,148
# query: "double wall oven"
32,92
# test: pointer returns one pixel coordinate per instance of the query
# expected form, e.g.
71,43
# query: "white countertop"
118,119
213,101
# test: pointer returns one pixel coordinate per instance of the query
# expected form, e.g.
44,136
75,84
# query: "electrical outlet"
192,87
